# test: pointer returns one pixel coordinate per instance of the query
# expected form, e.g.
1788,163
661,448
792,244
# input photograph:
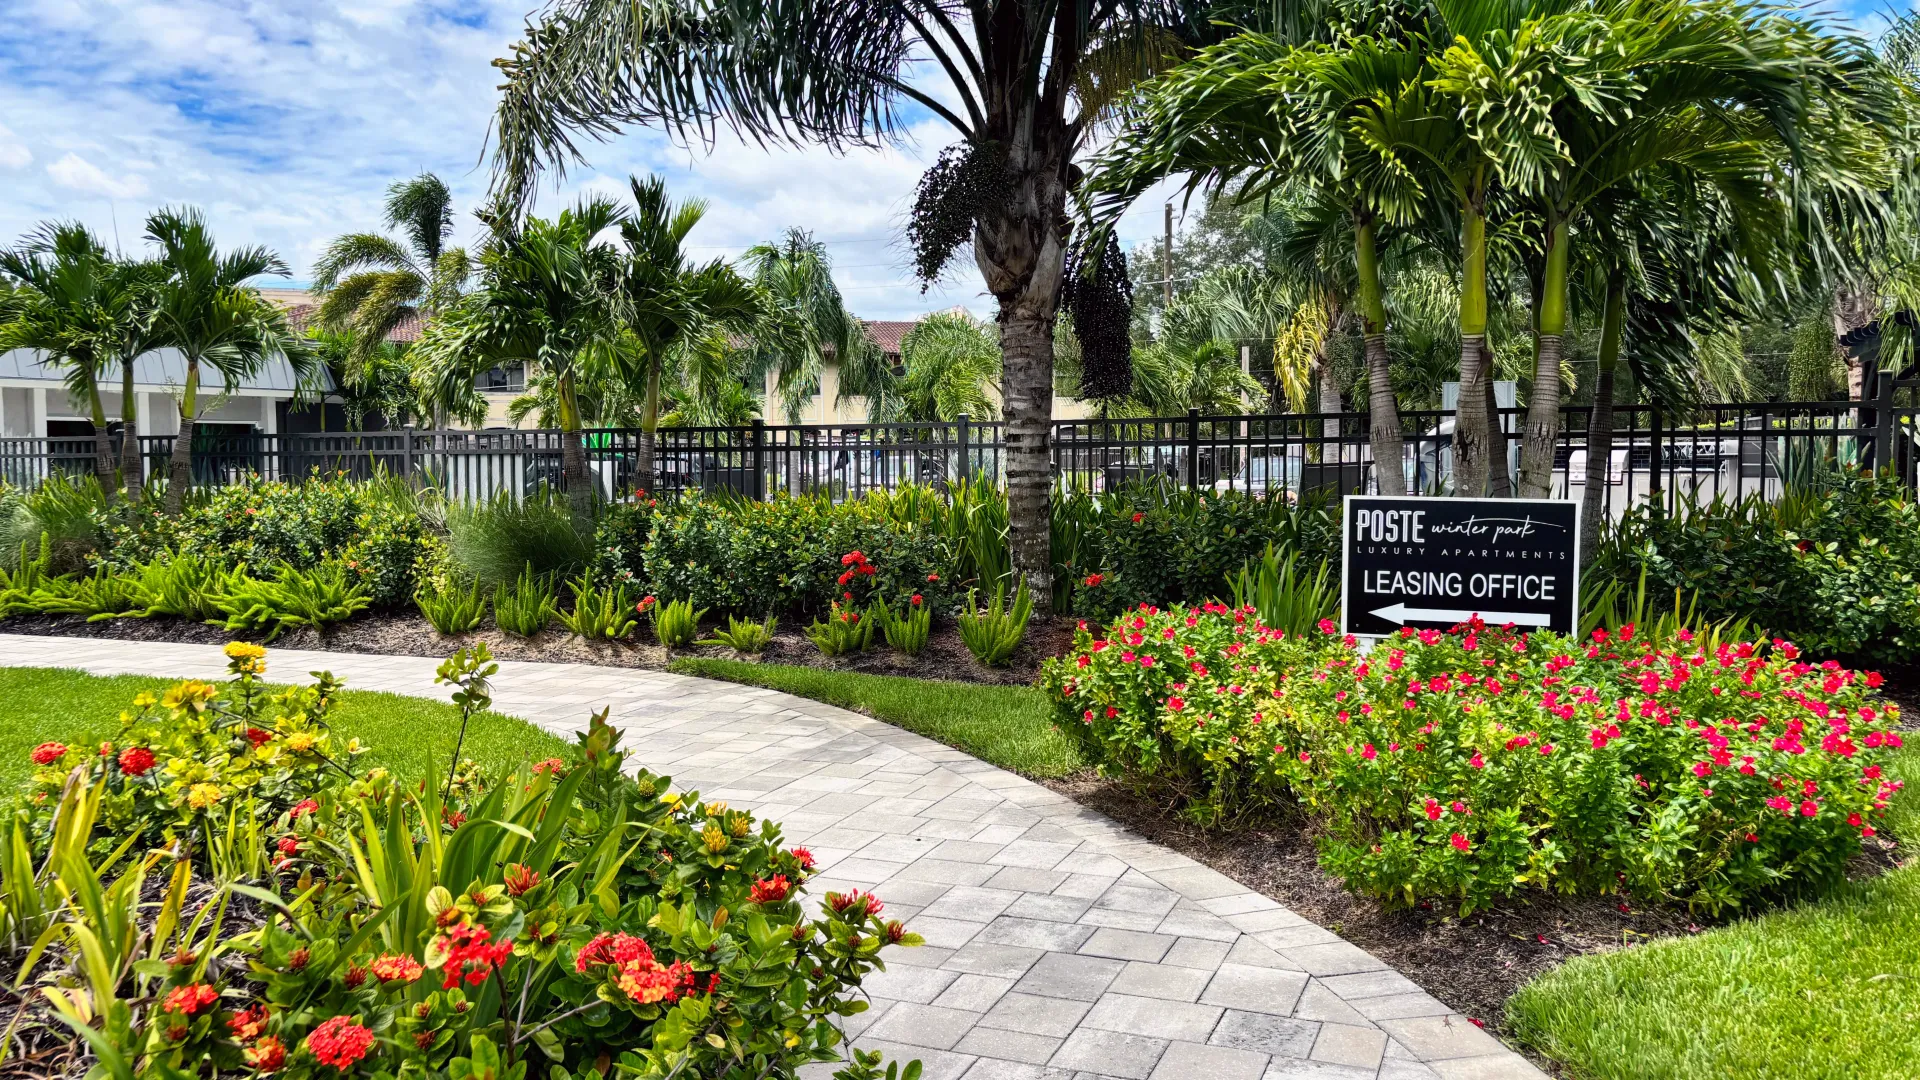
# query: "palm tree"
1277,117
671,309
950,363
1026,83
55,307
205,310
797,276
544,299
369,284
129,331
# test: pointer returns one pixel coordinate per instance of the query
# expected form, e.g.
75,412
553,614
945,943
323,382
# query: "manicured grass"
408,735
1008,726
1822,991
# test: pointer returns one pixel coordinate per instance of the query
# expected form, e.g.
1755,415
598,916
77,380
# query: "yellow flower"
191,694
715,840
244,650
201,796
144,700
302,741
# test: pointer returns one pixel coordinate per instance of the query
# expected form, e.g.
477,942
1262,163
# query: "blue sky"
286,119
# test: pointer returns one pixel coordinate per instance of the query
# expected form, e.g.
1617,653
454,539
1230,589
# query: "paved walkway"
1059,945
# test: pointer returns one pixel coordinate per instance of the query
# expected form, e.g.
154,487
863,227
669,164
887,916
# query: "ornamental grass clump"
1471,764
908,629
744,636
388,927
993,634
675,623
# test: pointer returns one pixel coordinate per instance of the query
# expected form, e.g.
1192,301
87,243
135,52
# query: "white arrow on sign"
1401,614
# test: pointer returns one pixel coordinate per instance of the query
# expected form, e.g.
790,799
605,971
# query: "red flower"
1477,761
1809,808
267,1055
247,1023
520,880
770,891
1460,842
1094,580
933,577
1174,704
136,761
49,752
190,999
304,806
470,955
645,603
1137,515
1433,810
289,845
803,857
339,1041
552,765
916,600
256,736
396,968
856,903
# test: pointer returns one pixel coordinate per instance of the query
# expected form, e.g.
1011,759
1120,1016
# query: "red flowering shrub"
339,1041
1474,763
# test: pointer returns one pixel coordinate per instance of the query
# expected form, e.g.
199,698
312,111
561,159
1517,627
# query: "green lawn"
408,735
1821,991
1008,726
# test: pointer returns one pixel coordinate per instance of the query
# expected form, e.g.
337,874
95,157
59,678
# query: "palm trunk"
1383,411
102,442
180,468
649,427
1853,308
1593,501
1499,471
1543,403
133,467
1472,423
1019,246
573,455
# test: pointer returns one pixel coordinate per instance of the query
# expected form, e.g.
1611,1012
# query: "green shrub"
907,630
675,623
393,554
620,542
841,631
258,524
993,634
73,516
100,595
293,597
1837,570
454,611
744,635
1472,764
491,542
512,919
525,607
1284,595
600,614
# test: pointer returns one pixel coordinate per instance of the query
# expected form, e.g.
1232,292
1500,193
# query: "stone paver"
1060,945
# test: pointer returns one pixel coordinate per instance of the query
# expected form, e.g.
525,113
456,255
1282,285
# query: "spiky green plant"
993,634
743,635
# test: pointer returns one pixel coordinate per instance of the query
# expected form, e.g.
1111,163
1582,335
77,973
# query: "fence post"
406,457
759,459
1654,455
961,441
1193,449
1882,417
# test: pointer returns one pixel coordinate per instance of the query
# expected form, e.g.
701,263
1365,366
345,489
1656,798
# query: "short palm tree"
544,298
58,274
369,284
949,365
797,277
206,311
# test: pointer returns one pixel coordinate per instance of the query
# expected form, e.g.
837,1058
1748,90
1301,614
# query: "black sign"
1438,562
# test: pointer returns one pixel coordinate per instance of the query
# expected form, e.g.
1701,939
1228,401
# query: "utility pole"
1166,256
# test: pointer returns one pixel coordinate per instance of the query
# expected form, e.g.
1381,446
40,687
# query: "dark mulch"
408,634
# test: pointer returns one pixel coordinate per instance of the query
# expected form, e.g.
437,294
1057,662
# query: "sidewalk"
1059,945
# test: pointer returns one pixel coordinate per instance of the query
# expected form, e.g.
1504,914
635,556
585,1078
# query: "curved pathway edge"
1060,946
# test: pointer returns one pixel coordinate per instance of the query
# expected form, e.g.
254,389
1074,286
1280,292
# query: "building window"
504,379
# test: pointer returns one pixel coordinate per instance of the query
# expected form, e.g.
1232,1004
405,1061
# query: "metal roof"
162,368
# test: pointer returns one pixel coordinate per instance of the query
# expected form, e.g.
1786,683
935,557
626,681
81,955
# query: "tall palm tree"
672,309
205,310
797,276
950,364
369,284
128,292
544,298
1024,83
55,307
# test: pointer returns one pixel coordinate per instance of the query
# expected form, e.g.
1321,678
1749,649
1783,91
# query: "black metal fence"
1676,456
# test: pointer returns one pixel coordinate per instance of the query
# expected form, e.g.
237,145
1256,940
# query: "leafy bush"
600,614
993,634
620,541
1837,570
72,515
454,611
841,631
1148,545
525,607
400,932
100,595
293,597
257,524
186,586
491,542
675,623
394,555
744,635
1471,764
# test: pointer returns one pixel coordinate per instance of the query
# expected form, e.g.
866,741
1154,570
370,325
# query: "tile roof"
407,332
887,333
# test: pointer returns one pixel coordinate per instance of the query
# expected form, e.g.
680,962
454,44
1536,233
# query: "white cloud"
82,175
